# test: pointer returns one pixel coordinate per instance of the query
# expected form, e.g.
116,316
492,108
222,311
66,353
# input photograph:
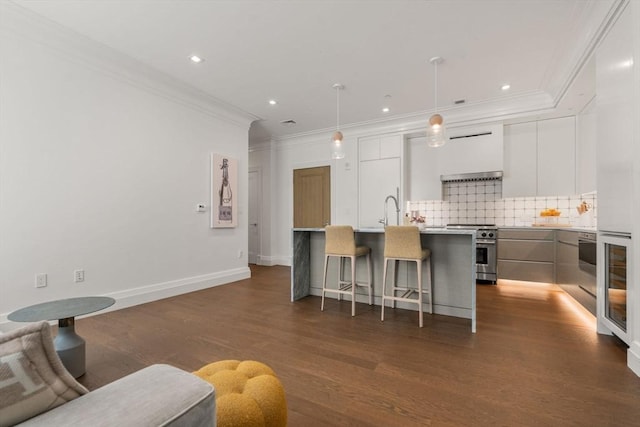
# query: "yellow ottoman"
248,394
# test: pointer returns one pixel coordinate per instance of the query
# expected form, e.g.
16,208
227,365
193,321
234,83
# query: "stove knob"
484,234
490,234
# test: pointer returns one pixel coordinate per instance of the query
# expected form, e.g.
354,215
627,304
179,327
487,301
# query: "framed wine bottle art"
224,186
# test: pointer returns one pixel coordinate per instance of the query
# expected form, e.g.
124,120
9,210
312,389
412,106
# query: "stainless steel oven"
486,259
486,253
587,260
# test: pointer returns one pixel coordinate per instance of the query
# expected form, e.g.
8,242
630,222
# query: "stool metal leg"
419,270
324,280
340,276
430,285
353,286
369,274
384,287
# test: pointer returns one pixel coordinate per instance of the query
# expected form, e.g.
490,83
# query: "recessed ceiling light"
272,102
196,59
506,87
385,110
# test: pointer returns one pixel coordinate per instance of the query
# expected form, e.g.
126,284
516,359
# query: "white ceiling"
294,51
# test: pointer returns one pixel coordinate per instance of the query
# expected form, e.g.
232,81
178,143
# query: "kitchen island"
453,258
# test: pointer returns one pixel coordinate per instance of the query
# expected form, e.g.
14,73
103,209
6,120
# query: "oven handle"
486,242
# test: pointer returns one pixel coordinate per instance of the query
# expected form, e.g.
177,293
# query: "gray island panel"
453,258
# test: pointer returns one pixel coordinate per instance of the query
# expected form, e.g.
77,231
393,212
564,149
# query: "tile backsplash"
481,202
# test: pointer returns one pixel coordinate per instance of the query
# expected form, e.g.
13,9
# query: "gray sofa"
159,395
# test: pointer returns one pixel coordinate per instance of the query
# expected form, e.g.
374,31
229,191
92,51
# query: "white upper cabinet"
615,85
586,138
380,175
476,148
557,156
520,160
540,158
422,171
380,147
378,179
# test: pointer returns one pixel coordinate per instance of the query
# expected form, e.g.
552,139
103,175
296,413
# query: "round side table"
69,345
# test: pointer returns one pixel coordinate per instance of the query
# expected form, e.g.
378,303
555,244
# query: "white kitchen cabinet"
423,175
477,148
540,158
556,157
520,164
378,179
615,127
586,138
380,175
380,147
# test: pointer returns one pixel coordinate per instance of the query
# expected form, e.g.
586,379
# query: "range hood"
475,176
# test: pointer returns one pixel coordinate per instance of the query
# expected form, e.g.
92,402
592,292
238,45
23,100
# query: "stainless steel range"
486,253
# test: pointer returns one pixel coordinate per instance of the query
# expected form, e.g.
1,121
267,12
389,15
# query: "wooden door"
312,197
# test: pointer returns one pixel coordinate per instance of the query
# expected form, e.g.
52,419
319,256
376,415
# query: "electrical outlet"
78,276
41,280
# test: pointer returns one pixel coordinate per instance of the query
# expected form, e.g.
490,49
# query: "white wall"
102,171
262,158
304,153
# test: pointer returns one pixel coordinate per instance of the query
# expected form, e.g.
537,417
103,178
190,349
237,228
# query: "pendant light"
337,150
436,131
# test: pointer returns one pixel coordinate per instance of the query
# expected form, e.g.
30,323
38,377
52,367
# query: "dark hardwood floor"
533,361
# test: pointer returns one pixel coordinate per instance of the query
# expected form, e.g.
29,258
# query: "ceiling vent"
288,123
471,135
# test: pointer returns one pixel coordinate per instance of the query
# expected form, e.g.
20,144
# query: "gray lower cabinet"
567,271
526,254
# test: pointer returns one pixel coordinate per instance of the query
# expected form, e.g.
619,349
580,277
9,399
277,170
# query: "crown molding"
497,110
599,16
84,51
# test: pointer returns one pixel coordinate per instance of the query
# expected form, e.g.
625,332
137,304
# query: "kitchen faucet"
385,221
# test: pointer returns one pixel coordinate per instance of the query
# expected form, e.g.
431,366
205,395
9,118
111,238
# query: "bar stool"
402,243
340,242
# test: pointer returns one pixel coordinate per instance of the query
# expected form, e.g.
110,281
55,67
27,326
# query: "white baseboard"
158,291
265,260
283,260
275,260
633,357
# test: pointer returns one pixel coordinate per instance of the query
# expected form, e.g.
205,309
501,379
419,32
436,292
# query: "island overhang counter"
453,258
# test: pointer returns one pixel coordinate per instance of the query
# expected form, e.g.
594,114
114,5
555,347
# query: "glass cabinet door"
616,284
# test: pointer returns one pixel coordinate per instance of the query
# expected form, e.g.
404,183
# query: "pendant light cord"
436,86
338,109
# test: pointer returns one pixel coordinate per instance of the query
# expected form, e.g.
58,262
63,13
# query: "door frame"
332,175
258,170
